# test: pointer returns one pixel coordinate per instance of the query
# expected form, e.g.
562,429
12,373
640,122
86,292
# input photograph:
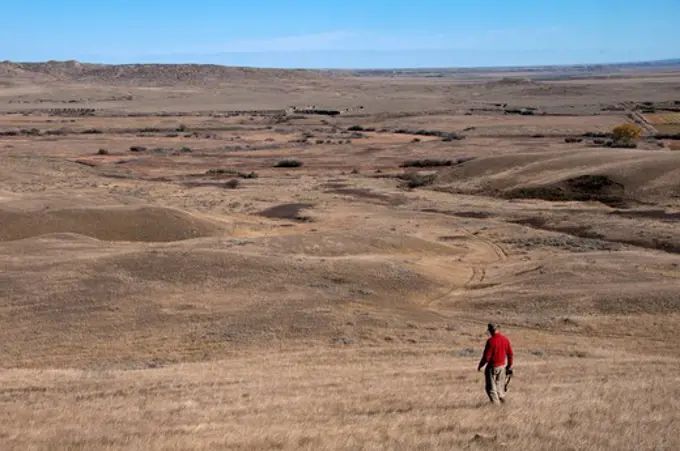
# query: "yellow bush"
626,132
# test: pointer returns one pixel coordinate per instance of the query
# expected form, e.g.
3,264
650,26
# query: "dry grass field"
406,397
668,122
663,118
167,283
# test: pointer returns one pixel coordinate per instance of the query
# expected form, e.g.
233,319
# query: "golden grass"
667,128
412,398
663,118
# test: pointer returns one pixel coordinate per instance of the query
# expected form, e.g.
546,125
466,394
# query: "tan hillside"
145,74
149,224
643,175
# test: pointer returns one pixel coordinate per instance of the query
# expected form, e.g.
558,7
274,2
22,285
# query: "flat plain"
208,258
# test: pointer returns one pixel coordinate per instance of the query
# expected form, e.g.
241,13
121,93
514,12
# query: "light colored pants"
495,383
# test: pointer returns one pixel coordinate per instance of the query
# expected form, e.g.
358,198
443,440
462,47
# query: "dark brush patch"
368,194
599,188
661,215
287,211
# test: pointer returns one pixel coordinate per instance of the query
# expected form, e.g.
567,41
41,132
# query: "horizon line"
396,68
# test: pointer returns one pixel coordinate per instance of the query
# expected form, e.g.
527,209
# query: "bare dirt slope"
167,283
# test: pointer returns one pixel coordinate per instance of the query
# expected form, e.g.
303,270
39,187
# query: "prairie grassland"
145,306
663,118
399,398
668,128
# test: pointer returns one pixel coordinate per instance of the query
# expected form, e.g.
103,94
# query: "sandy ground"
164,286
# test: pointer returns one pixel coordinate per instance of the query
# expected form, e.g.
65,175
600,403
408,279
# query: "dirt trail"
486,252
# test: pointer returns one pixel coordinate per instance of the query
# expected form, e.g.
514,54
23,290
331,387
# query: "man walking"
494,357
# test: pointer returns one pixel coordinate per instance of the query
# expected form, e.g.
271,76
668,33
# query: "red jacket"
496,350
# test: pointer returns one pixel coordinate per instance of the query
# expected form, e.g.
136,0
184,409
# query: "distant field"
668,128
663,118
500,125
667,122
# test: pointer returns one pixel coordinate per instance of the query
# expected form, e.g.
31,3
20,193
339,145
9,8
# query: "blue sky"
342,33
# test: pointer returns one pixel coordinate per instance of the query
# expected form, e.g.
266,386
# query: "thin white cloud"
331,40
512,39
362,40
